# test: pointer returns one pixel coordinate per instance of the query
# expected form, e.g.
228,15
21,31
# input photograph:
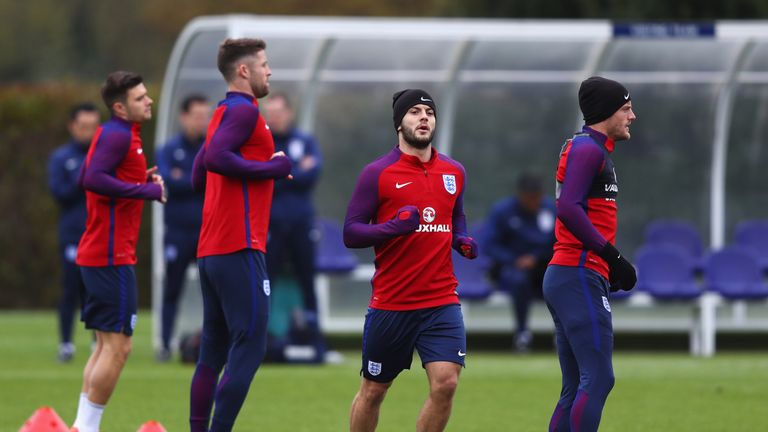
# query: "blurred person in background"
291,241
63,171
183,213
116,182
518,241
586,266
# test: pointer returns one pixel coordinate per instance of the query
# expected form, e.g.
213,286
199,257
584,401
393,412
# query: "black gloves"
622,275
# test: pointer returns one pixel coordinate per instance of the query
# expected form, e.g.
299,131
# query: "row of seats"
668,272
673,257
751,234
669,264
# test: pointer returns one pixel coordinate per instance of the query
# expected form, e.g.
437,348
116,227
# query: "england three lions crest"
449,181
374,368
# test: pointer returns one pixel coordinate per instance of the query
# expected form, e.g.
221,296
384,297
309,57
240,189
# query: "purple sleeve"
222,155
97,176
459,219
198,171
358,230
584,163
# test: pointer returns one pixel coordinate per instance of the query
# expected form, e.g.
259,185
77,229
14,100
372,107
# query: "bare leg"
443,380
108,365
89,366
365,407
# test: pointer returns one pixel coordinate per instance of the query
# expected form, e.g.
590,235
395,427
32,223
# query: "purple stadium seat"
677,233
473,274
754,234
735,273
666,272
331,255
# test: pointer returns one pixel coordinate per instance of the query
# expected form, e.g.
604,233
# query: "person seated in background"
518,241
183,214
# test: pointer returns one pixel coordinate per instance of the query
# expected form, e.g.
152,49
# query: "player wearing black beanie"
600,97
403,100
586,266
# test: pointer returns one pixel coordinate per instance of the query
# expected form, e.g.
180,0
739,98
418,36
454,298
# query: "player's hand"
466,246
150,172
406,220
281,154
158,180
526,262
622,273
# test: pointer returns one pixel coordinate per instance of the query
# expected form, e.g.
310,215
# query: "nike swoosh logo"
400,186
626,96
423,99
462,354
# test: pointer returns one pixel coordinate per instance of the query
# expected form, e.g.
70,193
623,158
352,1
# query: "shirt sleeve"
358,230
62,187
97,175
198,171
459,219
583,164
177,187
494,246
222,154
306,179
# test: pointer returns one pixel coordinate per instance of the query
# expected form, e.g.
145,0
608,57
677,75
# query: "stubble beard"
409,135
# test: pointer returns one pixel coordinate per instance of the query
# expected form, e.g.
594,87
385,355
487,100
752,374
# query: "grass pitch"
497,392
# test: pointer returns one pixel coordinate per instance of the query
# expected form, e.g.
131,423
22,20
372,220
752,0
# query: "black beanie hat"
600,97
403,100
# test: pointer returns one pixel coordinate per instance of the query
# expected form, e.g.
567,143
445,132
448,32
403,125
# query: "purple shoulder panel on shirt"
362,208
585,160
222,154
98,176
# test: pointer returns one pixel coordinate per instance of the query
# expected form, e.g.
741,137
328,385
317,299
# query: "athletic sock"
88,415
81,407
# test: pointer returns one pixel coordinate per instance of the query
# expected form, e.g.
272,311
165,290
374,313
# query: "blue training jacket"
63,171
183,213
292,199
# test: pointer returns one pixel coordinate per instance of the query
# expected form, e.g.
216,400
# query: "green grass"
497,392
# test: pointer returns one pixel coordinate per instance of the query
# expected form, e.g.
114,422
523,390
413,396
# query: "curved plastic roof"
506,93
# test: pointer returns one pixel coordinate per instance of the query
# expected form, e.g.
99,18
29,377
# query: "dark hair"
117,85
76,109
191,99
284,96
232,50
529,183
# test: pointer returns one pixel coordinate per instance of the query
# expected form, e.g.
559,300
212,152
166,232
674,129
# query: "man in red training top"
408,205
117,181
586,266
237,166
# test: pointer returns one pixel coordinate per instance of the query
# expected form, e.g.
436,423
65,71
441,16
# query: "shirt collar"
413,160
600,138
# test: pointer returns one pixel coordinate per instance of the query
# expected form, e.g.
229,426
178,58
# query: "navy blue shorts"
110,299
236,292
389,338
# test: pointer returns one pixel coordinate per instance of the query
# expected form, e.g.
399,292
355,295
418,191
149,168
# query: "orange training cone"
151,426
44,419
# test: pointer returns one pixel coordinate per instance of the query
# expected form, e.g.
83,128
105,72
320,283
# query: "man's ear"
242,70
119,108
